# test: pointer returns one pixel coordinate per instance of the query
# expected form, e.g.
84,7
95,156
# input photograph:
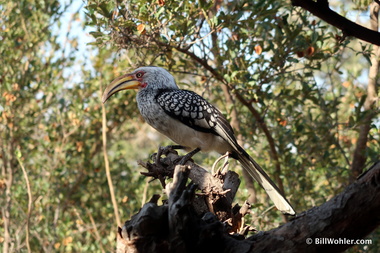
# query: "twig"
204,37
145,191
30,198
106,162
96,231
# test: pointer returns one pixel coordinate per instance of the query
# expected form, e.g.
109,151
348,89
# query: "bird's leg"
176,147
188,156
167,149
224,167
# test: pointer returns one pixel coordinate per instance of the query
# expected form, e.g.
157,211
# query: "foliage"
269,53
299,86
296,89
52,120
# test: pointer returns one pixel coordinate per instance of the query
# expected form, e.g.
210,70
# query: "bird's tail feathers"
263,179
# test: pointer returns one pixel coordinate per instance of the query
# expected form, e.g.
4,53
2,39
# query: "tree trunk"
359,157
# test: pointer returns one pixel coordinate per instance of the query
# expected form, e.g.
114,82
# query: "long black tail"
224,130
263,179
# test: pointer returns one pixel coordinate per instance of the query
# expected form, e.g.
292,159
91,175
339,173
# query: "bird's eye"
139,74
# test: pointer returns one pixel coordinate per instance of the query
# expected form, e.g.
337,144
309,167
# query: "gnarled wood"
182,226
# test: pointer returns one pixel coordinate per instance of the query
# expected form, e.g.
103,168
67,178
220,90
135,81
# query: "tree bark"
353,214
322,10
359,157
180,225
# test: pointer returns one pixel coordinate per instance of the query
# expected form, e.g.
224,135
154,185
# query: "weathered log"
176,226
183,225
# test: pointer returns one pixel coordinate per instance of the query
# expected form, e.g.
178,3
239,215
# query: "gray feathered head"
142,78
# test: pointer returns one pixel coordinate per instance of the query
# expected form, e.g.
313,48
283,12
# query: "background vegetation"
294,91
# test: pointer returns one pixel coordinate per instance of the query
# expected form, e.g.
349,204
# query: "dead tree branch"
183,225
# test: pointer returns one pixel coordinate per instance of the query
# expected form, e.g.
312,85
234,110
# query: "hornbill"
190,121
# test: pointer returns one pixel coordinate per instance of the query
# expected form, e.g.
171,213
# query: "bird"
190,121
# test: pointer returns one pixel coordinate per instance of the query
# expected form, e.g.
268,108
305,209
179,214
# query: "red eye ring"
139,74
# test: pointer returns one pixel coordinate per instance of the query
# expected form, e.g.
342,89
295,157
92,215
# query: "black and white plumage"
189,120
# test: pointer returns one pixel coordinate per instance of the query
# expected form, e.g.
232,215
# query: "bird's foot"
224,168
188,156
163,165
165,151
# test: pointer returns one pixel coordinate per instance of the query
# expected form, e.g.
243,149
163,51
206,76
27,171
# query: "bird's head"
141,78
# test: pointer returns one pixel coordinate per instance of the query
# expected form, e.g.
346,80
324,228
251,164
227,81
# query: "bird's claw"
188,156
165,151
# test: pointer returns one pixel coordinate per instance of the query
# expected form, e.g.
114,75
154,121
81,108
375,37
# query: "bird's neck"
153,91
